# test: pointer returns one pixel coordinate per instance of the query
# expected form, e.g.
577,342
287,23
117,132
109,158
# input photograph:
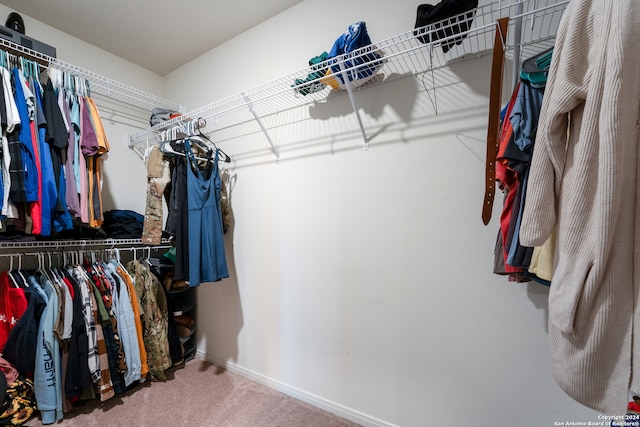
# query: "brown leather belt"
495,101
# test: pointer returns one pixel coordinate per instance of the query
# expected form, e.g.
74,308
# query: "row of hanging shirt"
85,328
516,145
53,143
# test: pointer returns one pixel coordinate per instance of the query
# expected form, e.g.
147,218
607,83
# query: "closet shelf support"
245,95
347,83
517,44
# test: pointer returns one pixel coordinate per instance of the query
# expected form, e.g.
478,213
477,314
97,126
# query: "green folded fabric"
309,85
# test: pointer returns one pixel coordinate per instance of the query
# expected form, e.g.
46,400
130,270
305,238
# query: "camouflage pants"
158,176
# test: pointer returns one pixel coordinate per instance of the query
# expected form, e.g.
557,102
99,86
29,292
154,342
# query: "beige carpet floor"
199,394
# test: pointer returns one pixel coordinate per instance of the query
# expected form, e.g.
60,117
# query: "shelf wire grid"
532,28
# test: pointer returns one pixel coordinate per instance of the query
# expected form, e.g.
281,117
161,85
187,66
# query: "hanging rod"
103,243
98,83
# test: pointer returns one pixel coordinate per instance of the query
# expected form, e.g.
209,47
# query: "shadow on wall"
223,318
400,94
539,296
395,108
476,74
401,111
108,202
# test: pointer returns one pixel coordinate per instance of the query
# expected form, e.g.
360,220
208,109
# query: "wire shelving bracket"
264,130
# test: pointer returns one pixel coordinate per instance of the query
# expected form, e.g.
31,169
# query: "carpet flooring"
199,394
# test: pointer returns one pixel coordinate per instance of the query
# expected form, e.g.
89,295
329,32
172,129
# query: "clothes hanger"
13,282
198,137
538,63
115,257
42,269
171,147
196,124
17,276
16,279
225,157
536,68
54,271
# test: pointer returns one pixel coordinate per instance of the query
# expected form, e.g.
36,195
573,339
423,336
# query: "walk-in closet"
312,213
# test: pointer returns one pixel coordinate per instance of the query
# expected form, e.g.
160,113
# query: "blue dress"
207,260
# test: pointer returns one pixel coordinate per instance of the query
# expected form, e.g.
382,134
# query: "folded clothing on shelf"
159,115
123,224
354,55
449,17
310,84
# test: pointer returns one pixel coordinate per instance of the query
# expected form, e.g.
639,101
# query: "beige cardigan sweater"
584,180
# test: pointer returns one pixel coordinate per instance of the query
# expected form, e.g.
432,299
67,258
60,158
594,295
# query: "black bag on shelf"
449,17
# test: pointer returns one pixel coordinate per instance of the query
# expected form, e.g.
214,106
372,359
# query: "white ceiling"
159,36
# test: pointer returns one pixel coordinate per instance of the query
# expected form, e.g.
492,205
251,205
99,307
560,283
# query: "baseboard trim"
318,402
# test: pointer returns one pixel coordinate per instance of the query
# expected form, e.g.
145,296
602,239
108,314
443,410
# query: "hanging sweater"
583,180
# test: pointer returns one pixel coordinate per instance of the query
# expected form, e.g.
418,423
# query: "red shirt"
13,304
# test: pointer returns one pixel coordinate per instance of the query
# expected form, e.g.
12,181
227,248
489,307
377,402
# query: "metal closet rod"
76,255
144,250
80,244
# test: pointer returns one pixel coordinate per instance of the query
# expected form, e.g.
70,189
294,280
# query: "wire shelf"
80,244
532,28
64,251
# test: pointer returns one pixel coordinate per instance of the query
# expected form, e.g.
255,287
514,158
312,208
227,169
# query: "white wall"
360,281
363,280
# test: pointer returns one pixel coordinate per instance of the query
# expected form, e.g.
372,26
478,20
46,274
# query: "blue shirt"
26,142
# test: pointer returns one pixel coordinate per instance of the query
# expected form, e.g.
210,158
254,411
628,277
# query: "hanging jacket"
13,304
583,183
126,326
20,349
78,376
46,378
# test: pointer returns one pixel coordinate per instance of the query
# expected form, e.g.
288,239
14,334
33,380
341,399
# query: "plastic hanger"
193,132
225,157
536,68
198,124
170,147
